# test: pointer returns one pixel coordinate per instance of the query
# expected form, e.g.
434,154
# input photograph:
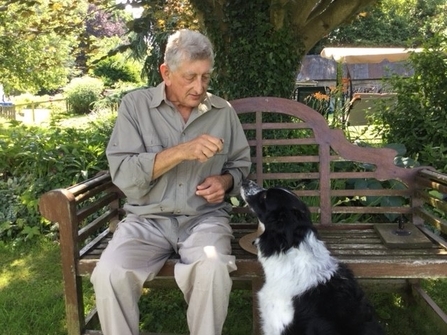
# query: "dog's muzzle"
249,188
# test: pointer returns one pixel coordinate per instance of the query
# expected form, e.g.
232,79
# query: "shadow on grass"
401,315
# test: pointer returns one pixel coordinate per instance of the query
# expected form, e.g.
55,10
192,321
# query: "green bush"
113,70
419,117
82,92
35,160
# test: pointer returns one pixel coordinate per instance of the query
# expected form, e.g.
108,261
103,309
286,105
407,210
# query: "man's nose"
199,85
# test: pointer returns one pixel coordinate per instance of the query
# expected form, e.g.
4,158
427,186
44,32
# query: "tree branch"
324,18
278,13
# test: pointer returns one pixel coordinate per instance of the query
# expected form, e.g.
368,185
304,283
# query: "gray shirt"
146,124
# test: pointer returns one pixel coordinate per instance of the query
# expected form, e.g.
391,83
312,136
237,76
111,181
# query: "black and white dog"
306,291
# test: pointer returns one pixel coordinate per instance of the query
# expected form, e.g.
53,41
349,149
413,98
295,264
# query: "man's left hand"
213,188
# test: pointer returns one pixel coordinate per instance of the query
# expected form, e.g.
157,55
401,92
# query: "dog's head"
284,218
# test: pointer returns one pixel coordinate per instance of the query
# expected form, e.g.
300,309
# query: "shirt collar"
209,102
158,96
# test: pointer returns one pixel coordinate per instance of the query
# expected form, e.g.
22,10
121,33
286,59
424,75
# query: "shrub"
82,92
419,117
34,160
113,70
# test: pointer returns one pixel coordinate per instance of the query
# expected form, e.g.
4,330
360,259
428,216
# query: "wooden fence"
13,112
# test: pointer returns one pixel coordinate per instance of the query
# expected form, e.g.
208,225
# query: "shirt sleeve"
130,165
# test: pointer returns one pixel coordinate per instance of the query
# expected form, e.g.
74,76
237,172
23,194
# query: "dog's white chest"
276,310
289,275
275,297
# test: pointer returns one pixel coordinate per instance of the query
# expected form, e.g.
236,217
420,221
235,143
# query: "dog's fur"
306,291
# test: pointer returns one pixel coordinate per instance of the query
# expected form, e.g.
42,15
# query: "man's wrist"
229,181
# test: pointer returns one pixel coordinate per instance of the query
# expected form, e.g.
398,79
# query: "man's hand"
213,188
202,147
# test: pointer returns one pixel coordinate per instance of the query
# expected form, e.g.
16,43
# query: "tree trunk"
259,43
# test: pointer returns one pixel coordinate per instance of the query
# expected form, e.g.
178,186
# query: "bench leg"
74,306
256,286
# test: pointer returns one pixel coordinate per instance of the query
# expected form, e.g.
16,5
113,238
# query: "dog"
306,291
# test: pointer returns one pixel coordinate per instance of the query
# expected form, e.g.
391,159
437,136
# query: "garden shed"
366,67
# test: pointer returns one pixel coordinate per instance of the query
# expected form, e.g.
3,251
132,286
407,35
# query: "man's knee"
214,266
109,275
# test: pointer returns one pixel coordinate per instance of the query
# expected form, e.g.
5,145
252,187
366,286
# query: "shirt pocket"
154,144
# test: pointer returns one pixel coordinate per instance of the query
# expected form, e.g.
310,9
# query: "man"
175,152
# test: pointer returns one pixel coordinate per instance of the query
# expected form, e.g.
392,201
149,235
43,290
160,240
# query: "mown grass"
31,292
31,300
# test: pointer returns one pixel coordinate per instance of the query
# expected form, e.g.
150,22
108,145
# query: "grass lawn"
32,303
31,292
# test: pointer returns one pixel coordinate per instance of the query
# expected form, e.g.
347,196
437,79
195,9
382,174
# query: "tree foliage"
45,42
419,117
258,43
101,23
37,38
387,24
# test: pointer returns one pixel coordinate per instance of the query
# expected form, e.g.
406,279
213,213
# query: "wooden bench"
358,198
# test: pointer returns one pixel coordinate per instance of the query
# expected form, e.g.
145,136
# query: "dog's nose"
246,182
249,187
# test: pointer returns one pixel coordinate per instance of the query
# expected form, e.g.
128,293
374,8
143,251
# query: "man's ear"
165,74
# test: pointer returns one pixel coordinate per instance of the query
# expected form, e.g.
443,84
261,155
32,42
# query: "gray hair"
185,45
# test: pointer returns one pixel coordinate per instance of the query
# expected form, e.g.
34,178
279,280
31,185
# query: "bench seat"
358,245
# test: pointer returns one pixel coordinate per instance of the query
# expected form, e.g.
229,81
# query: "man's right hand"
203,147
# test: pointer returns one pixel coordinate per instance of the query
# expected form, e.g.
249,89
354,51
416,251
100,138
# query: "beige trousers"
137,252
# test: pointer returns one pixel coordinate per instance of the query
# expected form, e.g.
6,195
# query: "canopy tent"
367,55
349,56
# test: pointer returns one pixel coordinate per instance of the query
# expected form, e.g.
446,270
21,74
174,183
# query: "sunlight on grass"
398,301
17,270
31,293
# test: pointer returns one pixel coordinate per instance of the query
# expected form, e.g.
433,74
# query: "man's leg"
136,252
203,275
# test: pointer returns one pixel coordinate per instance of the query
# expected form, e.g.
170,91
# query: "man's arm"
201,148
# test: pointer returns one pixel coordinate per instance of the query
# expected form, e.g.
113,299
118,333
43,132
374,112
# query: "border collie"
306,290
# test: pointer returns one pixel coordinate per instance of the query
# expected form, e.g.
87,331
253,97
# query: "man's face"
187,85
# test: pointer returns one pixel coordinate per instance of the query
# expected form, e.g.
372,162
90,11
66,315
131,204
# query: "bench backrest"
293,146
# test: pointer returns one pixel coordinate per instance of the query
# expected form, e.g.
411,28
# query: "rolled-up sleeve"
130,165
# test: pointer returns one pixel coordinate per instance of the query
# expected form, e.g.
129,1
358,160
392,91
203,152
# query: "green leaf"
30,232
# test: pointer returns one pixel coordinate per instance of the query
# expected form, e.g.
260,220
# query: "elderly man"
176,151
